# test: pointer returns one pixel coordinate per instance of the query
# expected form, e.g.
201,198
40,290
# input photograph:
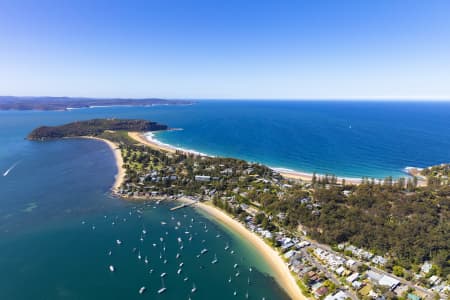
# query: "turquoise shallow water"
47,253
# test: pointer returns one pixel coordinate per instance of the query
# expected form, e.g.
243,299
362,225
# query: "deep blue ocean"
58,221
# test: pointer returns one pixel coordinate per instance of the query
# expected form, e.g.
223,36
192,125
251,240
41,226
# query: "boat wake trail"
11,168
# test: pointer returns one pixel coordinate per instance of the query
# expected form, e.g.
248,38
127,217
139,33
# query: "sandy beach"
138,136
120,176
286,173
289,174
282,273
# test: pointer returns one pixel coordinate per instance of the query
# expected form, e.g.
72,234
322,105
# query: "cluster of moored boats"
160,245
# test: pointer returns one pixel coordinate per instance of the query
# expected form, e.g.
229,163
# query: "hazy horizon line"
353,99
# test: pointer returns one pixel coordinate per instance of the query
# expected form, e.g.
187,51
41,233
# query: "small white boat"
237,274
215,260
229,279
118,242
204,250
144,232
109,252
235,293
181,264
163,289
179,271
227,247
163,223
232,252
194,288
186,279
177,256
235,266
163,274
111,268
139,255
142,290
179,240
146,260
165,261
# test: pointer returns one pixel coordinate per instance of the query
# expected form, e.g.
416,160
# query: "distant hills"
64,103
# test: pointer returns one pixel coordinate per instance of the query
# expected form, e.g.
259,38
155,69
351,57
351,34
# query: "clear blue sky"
226,49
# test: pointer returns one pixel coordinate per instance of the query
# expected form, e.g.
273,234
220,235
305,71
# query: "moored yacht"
215,260
142,290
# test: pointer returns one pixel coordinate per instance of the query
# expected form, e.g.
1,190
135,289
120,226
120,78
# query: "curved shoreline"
120,175
149,140
282,274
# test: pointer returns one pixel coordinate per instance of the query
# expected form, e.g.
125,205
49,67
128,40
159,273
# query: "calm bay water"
47,253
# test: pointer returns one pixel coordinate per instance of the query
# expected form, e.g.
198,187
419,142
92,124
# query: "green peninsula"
95,128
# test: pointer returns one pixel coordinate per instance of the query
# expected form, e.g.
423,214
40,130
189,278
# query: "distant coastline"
69,103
